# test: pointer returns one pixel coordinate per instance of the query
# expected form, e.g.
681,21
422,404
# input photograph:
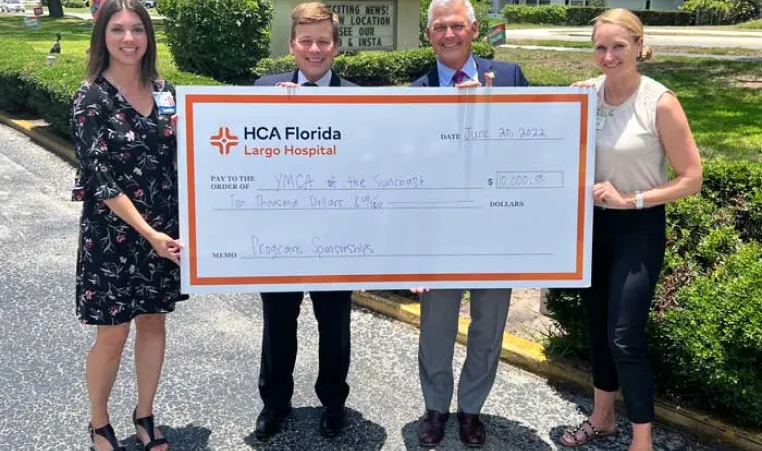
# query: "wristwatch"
638,200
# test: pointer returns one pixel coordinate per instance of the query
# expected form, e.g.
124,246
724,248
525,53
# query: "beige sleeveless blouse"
629,152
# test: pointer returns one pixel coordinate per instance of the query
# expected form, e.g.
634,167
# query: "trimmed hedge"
222,39
375,68
584,15
28,83
703,325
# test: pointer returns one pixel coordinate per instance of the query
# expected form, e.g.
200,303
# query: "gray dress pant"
439,330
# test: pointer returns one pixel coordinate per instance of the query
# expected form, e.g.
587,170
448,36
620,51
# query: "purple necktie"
458,77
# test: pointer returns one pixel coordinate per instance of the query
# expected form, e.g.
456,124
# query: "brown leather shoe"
471,430
431,427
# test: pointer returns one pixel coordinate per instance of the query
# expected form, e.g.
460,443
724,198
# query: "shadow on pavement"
300,431
190,438
502,434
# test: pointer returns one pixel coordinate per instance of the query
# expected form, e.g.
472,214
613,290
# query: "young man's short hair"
312,12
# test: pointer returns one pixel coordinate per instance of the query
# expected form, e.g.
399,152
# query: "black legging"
628,252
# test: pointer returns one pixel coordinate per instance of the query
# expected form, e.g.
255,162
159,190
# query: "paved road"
208,400
654,36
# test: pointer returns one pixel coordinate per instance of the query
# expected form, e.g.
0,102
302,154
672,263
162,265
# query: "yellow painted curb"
53,143
531,356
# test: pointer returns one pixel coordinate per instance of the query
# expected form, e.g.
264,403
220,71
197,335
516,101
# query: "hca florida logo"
224,140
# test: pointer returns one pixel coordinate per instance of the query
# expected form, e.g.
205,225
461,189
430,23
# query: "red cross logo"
224,140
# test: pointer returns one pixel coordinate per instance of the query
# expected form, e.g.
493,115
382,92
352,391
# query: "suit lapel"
482,66
335,80
434,77
295,78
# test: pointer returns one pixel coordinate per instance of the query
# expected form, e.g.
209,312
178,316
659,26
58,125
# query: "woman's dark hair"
99,57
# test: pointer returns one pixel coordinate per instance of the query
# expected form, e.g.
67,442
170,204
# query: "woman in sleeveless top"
640,126
127,263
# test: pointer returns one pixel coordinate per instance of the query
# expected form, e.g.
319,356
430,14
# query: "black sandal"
147,424
106,432
596,434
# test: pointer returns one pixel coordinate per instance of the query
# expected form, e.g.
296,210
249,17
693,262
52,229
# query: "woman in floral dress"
127,263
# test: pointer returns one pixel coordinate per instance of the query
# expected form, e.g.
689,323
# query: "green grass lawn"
751,25
658,49
75,38
722,98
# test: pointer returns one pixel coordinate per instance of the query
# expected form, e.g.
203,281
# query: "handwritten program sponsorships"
384,188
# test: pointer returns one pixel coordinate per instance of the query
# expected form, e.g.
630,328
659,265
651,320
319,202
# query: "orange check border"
193,99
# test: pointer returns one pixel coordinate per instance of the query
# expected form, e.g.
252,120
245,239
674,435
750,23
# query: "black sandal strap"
159,441
596,433
147,424
108,433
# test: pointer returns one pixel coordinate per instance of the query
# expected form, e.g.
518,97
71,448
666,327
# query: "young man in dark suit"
314,36
451,27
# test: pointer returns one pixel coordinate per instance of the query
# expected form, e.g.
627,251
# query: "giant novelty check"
381,188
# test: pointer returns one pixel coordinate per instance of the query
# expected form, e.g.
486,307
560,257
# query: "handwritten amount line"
515,254
349,208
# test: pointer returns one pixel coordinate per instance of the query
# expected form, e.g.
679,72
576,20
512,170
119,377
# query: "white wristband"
638,200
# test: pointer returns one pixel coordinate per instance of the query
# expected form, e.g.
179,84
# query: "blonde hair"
313,12
627,19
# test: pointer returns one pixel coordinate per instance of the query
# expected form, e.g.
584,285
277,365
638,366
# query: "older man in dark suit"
314,36
451,27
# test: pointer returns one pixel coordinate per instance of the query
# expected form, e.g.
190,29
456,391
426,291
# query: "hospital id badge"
600,120
165,102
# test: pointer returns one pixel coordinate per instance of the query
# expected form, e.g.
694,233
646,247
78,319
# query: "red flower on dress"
120,238
138,193
89,243
89,294
113,310
167,132
81,120
125,155
81,195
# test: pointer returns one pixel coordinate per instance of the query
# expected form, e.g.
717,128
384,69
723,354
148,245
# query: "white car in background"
14,6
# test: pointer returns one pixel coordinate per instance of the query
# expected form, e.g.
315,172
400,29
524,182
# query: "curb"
48,140
530,356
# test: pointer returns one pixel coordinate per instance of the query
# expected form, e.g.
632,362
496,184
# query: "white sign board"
381,188
366,25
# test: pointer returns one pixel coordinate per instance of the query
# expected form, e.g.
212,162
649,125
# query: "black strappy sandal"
106,432
589,437
147,424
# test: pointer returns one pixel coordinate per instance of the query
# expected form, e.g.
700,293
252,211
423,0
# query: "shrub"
711,343
374,68
553,14
710,280
223,39
30,84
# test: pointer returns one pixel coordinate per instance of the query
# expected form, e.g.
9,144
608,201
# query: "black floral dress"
120,151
